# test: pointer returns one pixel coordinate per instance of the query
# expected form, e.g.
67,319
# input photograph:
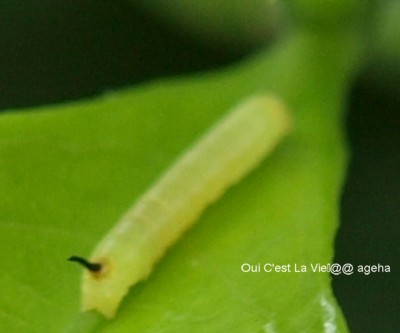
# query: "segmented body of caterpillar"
231,149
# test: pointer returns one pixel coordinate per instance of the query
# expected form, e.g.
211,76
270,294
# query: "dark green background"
55,51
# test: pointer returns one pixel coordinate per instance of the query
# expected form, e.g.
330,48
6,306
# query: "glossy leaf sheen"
68,172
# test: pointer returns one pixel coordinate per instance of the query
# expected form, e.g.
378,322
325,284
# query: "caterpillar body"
223,156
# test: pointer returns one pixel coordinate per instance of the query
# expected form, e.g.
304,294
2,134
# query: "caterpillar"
223,156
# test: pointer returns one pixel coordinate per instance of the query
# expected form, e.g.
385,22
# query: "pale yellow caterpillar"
223,156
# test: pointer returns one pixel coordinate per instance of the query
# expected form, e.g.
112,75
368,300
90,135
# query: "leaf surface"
68,172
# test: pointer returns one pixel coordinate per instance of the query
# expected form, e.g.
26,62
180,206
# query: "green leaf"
235,24
68,172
